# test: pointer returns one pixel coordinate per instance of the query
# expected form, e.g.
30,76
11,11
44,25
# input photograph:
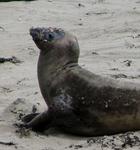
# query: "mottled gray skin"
79,102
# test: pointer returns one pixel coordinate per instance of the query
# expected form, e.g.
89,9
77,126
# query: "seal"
79,102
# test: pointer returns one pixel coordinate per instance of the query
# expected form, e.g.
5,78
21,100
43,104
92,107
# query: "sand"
109,36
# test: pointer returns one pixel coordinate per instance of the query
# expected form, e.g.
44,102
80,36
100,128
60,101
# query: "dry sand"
109,38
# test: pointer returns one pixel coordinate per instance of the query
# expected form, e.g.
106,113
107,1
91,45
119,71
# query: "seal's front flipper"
40,122
29,117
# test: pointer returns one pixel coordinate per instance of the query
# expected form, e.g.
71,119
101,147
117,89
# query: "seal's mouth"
46,34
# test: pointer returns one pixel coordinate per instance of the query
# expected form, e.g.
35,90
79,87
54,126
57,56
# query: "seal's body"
79,101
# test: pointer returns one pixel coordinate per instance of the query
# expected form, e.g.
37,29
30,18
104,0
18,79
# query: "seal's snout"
46,34
36,33
43,34
32,31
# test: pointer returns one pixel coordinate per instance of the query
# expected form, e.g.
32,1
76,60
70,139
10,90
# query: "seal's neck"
49,66
49,69
51,62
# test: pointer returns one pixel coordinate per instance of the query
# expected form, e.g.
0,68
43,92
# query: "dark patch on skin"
79,102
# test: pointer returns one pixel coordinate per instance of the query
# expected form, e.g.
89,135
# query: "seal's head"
57,42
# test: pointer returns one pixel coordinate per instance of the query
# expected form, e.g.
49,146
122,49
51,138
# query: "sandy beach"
108,32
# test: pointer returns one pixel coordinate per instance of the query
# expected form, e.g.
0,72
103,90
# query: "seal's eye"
50,36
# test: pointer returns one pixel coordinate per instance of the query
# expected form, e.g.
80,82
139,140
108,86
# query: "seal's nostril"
32,31
36,33
35,30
